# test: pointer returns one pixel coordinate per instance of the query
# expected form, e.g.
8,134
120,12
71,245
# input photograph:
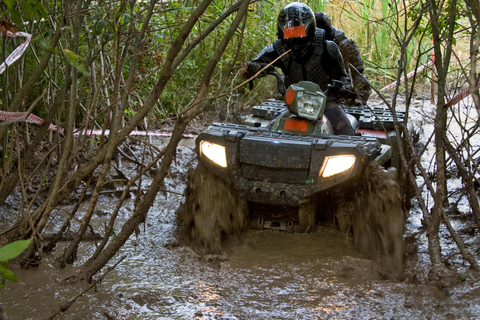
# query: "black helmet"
296,28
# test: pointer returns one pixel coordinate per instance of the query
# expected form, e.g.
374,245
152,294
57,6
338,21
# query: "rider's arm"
333,63
267,55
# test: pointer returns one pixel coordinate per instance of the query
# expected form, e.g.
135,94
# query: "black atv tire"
213,214
306,217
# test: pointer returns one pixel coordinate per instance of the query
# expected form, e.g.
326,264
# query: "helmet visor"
294,32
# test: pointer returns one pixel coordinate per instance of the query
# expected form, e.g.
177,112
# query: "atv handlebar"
336,88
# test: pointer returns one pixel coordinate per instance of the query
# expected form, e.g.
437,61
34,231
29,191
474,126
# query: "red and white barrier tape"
26,117
456,99
393,84
462,95
13,116
409,75
17,53
372,133
31,118
152,133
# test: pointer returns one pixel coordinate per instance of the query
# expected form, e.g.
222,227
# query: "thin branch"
67,305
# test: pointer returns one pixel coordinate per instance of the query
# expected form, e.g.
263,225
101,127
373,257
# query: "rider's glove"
253,67
347,84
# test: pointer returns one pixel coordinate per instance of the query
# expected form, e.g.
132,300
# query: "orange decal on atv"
290,96
296,125
294,32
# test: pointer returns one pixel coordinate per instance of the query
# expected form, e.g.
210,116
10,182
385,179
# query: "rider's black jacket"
321,65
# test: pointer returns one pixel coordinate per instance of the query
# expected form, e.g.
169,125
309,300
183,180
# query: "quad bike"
287,156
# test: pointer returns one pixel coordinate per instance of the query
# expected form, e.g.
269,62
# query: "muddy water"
213,215
269,275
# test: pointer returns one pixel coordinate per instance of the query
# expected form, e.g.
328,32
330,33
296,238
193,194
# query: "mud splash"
378,221
213,215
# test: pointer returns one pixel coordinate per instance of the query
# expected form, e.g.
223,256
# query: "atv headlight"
309,105
305,99
215,152
337,164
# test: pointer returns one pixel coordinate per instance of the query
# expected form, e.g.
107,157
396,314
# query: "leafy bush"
8,252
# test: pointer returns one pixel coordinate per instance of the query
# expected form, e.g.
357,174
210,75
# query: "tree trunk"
442,62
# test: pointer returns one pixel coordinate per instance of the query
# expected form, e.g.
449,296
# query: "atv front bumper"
283,169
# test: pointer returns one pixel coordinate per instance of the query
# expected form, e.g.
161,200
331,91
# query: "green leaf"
33,9
13,250
15,15
75,60
100,27
7,274
9,3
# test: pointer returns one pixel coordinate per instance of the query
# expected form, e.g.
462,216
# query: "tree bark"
442,62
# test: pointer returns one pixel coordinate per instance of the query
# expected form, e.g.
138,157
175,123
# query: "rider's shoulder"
320,33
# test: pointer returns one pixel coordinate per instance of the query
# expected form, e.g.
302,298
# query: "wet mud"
213,216
270,274
273,275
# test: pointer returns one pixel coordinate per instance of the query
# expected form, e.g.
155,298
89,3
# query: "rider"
311,58
350,53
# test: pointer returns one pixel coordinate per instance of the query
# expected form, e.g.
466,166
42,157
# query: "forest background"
116,66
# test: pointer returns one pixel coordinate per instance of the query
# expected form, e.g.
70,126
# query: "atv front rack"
374,117
368,117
